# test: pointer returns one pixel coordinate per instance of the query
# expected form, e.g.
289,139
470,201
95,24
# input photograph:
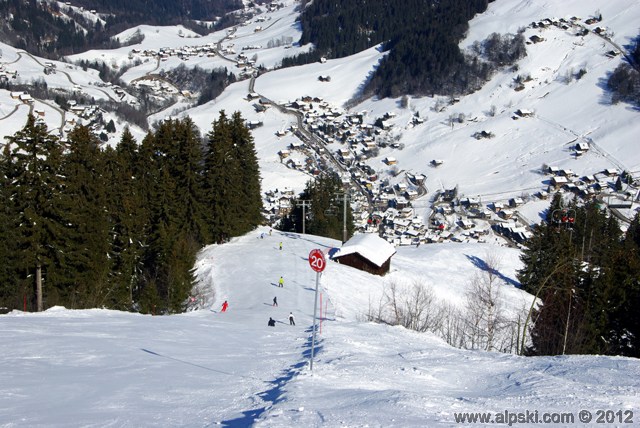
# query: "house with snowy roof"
367,252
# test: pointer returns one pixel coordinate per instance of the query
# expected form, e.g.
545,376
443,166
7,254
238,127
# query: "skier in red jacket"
225,305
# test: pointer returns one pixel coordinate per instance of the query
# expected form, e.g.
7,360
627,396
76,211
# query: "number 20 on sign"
316,260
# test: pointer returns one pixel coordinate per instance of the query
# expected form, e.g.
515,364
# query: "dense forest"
624,82
586,271
43,29
82,226
422,39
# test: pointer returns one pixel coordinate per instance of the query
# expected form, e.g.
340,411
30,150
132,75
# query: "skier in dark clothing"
271,322
275,301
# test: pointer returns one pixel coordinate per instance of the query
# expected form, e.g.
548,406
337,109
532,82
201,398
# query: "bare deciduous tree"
484,316
479,323
412,306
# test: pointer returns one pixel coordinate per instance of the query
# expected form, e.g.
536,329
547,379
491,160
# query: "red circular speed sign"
316,260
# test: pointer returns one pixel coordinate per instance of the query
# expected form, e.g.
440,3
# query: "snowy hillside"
565,110
65,368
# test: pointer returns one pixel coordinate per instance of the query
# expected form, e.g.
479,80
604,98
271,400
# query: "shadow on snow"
275,393
481,264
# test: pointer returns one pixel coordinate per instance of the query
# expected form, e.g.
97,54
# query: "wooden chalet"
367,252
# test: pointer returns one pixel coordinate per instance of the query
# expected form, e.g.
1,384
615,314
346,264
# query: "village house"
470,203
367,252
516,233
553,170
466,224
516,202
559,182
390,160
284,205
402,187
406,212
536,39
524,113
506,214
294,163
582,147
410,194
498,206
445,209
284,153
26,98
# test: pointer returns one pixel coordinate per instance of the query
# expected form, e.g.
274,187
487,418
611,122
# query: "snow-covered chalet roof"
368,245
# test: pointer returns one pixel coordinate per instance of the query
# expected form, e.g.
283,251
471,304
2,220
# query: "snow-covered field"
99,368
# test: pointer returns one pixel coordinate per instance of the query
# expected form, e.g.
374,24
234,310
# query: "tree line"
119,227
42,28
624,81
320,209
586,272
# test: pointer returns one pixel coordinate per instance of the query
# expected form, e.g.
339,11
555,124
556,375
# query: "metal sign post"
317,263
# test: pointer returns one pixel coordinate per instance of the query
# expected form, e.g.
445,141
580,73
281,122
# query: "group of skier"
271,322
292,320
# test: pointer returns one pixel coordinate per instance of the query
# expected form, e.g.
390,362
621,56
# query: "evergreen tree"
10,296
172,180
121,228
217,185
326,209
85,267
227,185
585,279
249,205
624,325
549,273
191,231
35,191
160,195
129,222
188,173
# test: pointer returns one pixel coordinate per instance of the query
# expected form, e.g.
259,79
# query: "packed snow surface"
99,368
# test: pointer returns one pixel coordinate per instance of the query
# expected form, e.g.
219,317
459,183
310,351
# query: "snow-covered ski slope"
99,368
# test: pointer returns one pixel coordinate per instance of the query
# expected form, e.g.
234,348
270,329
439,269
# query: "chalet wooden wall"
357,261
